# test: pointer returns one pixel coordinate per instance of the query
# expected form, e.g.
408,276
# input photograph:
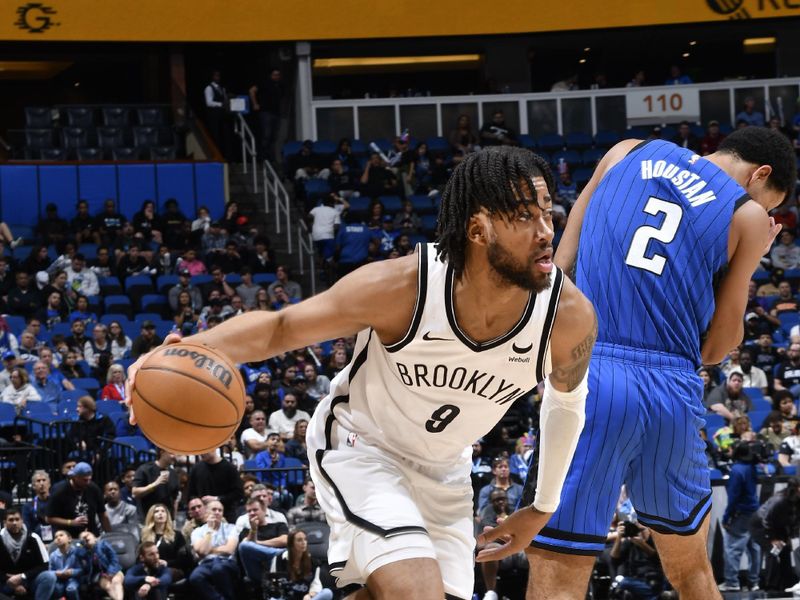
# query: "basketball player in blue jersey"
666,243
447,340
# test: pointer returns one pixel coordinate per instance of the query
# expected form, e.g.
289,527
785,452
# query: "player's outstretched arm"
560,423
568,245
750,234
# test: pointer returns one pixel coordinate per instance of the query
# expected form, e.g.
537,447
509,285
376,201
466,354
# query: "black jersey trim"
547,327
319,454
564,550
638,146
740,201
660,528
683,523
450,309
570,536
419,305
452,597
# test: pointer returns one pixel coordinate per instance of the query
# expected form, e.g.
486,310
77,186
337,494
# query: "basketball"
188,398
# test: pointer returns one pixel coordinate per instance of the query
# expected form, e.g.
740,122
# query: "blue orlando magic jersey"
653,239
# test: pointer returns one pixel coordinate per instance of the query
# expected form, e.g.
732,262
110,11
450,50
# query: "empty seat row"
89,116
93,154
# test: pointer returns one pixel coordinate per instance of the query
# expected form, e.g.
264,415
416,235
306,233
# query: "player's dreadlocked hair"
489,179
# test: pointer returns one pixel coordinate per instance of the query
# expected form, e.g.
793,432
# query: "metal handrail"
305,249
249,148
274,190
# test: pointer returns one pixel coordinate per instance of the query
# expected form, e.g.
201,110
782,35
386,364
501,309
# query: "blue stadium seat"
592,156
199,280
249,465
527,141
145,316
582,176
38,410
757,418
760,404
788,320
73,395
233,279
578,140
155,303
7,414
385,145
88,250
90,384
571,157
761,276
715,474
668,132
264,278
110,286
125,362
713,421
438,144
422,204
139,442
142,284
165,282
316,189
109,407
638,133
324,147
61,329
551,142
117,303
429,222
606,139
15,323
358,147
290,148
107,318
391,204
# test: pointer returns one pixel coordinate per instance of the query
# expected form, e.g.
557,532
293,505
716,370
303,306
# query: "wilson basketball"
188,398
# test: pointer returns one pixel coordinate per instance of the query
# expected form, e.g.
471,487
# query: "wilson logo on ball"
201,361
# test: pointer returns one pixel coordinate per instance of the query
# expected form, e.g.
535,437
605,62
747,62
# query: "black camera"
752,452
631,529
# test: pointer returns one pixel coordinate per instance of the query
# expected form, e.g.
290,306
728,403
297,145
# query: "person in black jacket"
148,578
24,561
215,477
85,435
773,526
76,505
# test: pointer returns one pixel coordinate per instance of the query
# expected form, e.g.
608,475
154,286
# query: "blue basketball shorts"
643,420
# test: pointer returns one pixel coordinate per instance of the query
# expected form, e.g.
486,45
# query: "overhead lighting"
759,44
693,43
582,61
685,55
372,63
586,49
32,69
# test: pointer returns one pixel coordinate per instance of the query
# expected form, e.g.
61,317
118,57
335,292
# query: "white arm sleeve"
560,424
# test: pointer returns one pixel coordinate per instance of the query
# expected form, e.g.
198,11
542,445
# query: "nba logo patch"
351,439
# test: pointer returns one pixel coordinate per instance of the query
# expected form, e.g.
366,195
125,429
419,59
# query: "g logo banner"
35,17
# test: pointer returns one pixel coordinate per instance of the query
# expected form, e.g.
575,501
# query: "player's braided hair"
490,179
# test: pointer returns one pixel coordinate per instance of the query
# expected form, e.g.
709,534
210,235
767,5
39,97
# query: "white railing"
564,103
305,251
249,148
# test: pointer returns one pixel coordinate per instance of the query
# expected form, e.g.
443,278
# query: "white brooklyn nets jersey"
428,397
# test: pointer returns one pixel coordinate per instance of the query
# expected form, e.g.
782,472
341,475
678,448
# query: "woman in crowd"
186,317
115,386
296,446
262,300
70,367
726,437
147,223
20,392
82,312
463,140
708,382
520,460
230,222
172,549
303,574
120,343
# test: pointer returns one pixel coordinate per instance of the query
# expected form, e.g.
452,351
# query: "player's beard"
513,272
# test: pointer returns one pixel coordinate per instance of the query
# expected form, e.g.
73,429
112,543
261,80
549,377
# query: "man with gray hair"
34,513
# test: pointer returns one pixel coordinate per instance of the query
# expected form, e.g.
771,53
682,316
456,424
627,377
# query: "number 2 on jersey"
441,418
673,214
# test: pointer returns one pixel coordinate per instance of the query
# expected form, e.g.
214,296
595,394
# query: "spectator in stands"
215,477
324,220
23,561
107,223
765,356
261,259
23,299
9,363
70,369
77,340
213,241
638,79
247,290
565,85
728,399
462,139
785,302
146,341
309,510
97,350
773,526
38,260
344,154
500,481
377,179
57,282
283,421
189,262
772,430
34,512
787,374
272,458
53,312
217,284
147,223
52,229
121,515
195,516
184,285
261,540
303,572
783,402
121,344
254,439
750,115
105,570
786,254
115,388
102,266
6,276
81,311
28,350
76,504
266,101
149,577
230,260
156,482
753,377
636,562
712,138
296,446
20,392
82,224
263,301
81,279
676,77
352,247
48,390
84,434
215,544
317,385
789,448
343,182
159,528
739,429
133,263
685,138
172,222
491,515
66,563
566,189
497,133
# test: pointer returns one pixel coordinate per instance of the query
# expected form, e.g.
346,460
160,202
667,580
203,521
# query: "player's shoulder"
750,223
617,153
575,316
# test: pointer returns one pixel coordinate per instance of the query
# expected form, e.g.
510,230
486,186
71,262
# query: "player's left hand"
516,532
774,230
172,338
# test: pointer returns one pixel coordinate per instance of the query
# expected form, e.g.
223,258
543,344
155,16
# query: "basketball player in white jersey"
447,339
